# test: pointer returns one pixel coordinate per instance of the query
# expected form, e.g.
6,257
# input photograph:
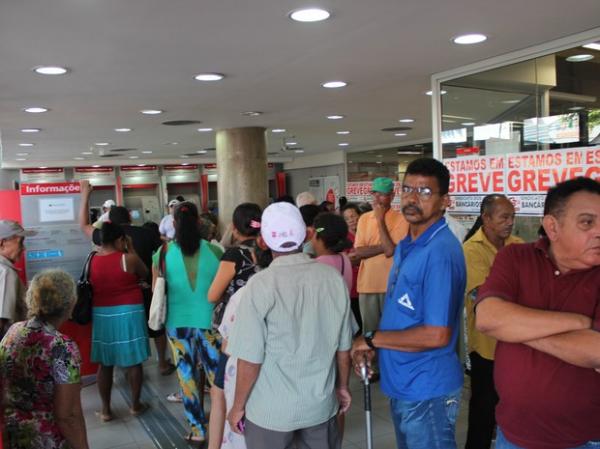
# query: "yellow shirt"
374,271
479,257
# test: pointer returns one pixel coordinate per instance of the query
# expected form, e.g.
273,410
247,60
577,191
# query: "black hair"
431,167
111,232
210,217
246,219
119,215
285,199
342,201
152,227
180,198
188,229
309,212
558,196
352,206
324,206
487,206
365,206
332,230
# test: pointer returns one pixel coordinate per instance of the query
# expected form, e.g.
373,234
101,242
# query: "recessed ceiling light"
205,130
151,111
26,144
50,70
20,159
185,163
406,120
172,143
510,101
291,142
342,133
102,144
22,154
469,39
468,123
430,93
310,15
298,151
335,117
209,77
122,130
580,58
399,134
146,152
96,166
87,153
593,46
79,158
43,168
278,130
141,165
577,108
379,162
36,110
134,157
350,162
380,155
334,84
252,113
201,151
30,130
184,156
343,144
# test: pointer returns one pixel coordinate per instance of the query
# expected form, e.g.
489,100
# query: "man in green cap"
377,234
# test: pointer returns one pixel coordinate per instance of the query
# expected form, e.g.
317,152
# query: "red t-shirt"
111,285
545,403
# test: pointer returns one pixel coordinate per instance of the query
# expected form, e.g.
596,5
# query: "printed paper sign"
56,209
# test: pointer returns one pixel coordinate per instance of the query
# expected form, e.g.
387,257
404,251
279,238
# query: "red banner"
58,188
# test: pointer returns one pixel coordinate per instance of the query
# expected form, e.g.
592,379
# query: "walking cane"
364,373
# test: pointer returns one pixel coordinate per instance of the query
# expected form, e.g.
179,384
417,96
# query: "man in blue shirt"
416,339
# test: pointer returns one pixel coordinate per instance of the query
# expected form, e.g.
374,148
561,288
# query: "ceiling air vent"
122,150
109,155
397,128
181,122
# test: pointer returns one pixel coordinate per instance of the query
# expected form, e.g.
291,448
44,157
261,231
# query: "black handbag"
82,312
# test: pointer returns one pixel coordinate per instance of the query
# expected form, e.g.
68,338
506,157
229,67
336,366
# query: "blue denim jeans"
427,424
503,443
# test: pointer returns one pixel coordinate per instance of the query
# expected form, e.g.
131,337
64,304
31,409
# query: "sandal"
175,397
170,369
104,417
198,439
139,411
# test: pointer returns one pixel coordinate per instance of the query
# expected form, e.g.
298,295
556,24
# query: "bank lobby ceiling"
125,57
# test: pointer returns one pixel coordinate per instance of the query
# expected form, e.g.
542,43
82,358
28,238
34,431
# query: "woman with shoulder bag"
239,263
119,332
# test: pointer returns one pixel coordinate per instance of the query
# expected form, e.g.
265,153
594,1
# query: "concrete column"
241,169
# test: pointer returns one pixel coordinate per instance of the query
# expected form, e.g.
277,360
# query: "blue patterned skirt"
119,335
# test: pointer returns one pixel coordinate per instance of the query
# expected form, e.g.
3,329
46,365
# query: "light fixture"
310,15
134,157
298,151
334,84
580,58
342,133
151,111
399,134
350,162
204,130
43,168
50,70
146,152
406,120
87,153
36,109
172,143
122,130
22,154
102,144
79,158
380,155
209,77
252,113
30,130
468,123
335,117
576,108
291,142
185,163
26,144
510,101
278,130
409,152
20,159
343,144
469,39
201,151
430,92
184,156
96,166
379,162
593,46
141,165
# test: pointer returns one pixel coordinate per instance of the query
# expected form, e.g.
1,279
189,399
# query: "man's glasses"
422,192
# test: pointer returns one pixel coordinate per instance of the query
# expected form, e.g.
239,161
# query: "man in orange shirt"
377,235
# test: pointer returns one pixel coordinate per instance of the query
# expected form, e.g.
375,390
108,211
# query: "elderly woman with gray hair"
39,367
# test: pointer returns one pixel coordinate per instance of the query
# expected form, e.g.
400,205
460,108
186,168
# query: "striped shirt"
292,319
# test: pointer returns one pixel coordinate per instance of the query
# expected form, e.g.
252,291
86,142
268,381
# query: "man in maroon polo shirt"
542,303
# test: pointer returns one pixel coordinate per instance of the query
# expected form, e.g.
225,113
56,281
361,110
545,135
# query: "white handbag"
158,306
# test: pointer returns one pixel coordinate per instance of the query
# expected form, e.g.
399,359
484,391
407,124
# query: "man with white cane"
416,339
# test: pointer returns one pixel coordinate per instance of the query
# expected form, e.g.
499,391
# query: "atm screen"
136,214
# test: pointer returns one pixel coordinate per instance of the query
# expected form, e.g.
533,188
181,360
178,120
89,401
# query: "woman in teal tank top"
190,266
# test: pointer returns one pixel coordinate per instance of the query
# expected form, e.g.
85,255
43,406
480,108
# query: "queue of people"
277,314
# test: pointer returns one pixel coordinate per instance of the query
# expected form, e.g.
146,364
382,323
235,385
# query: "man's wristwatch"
369,339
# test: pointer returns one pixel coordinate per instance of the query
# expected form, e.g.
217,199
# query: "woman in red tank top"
119,332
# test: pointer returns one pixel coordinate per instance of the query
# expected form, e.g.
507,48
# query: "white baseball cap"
108,204
282,227
10,229
305,198
173,203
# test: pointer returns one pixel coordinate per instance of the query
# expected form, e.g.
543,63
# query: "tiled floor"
127,432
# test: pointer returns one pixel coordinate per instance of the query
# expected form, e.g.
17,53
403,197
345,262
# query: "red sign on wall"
57,188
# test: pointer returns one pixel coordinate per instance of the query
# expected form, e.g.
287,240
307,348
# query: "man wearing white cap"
105,211
12,307
167,224
292,341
